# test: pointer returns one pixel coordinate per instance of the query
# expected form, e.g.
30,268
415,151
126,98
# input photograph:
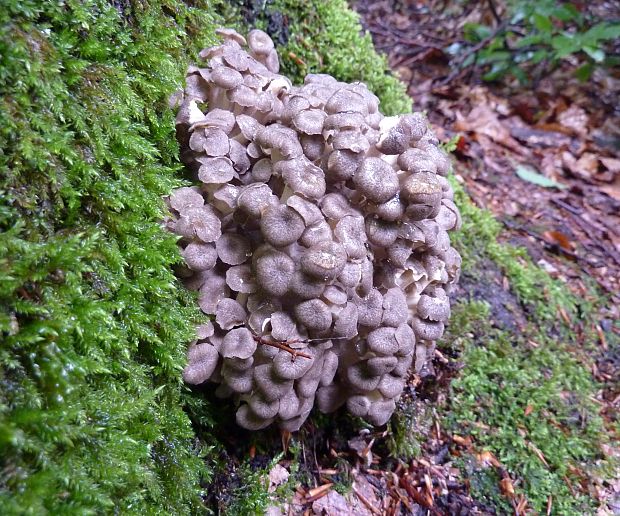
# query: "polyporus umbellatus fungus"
317,239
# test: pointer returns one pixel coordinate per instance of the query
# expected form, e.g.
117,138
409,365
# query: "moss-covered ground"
93,415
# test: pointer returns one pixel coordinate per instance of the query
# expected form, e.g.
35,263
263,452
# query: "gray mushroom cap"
281,225
380,232
226,77
240,279
262,408
211,291
329,398
404,363
185,198
255,198
279,138
335,206
230,313
416,160
434,308
350,275
358,405
303,177
204,331
217,170
231,34
376,180
201,223
221,119
360,378
399,252
345,322
324,260
422,188
246,419
270,386
239,382
233,249
353,141
239,364
238,343
314,314
202,361
346,100
318,232
342,164
391,210
330,366
406,339
287,367
313,146
383,341
289,406
259,42
395,141
199,256
380,412
274,271
370,308
262,169
309,121
381,365
427,330
305,286
248,126
391,386
414,125
395,307
283,327
309,211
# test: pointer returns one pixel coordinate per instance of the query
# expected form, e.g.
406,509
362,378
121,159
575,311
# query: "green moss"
506,374
407,429
542,367
93,323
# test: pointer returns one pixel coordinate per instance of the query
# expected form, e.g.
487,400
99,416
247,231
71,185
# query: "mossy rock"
94,324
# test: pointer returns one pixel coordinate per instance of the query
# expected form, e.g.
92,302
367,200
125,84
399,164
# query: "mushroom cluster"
318,238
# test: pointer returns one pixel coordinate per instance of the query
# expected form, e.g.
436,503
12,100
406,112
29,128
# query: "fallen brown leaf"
486,458
507,488
574,118
317,492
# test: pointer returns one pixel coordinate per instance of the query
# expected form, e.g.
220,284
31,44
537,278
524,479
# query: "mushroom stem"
280,345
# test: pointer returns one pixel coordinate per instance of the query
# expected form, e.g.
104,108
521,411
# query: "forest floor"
509,135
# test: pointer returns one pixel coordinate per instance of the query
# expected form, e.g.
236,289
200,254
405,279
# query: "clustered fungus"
317,239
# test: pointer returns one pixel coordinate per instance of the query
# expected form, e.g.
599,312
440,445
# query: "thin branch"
498,20
281,345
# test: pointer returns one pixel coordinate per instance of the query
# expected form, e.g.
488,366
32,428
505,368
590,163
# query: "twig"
280,345
365,501
494,11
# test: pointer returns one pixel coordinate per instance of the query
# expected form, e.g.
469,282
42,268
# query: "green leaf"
531,176
475,32
601,31
564,45
566,13
584,72
597,54
542,23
